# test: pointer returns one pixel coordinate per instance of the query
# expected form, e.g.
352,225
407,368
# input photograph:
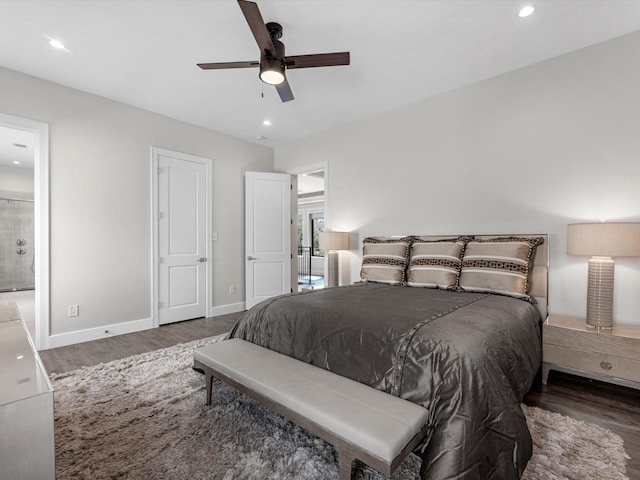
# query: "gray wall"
100,199
526,152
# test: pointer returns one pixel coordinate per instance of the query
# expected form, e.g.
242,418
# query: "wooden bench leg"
345,462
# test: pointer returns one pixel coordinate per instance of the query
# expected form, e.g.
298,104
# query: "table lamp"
602,241
331,242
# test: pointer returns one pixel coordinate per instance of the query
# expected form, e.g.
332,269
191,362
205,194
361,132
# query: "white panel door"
267,235
182,238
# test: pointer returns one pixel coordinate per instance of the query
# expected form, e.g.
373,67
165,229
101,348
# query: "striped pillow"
384,260
436,263
499,265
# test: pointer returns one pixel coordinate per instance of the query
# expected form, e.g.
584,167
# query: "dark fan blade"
221,65
284,90
317,60
257,26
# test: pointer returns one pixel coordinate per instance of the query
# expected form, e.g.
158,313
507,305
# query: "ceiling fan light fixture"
272,70
273,60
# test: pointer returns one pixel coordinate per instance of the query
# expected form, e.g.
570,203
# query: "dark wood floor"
87,354
612,407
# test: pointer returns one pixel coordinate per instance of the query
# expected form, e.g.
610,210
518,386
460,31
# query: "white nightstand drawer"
593,362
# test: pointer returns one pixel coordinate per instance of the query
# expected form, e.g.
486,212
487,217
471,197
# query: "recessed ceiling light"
526,11
56,43
266,122
261,137
16,162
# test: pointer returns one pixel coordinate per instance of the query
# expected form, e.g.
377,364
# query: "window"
300,230
317,226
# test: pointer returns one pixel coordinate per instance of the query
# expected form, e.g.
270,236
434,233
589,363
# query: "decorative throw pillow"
499,265
384,260
436,263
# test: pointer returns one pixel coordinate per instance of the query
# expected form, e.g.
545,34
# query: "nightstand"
568,346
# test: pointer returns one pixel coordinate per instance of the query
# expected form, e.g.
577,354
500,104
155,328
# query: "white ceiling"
16,146
143,52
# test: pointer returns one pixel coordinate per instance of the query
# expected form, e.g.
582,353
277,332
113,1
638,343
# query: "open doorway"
17,238
310,222
24,165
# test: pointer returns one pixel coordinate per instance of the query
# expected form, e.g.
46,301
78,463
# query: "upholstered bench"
359,421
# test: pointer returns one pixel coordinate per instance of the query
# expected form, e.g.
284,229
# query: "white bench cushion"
377,422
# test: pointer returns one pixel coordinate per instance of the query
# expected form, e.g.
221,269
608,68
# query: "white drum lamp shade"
332,242
602,241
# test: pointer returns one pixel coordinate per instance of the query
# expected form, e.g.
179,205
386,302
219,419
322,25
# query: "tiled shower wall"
17,260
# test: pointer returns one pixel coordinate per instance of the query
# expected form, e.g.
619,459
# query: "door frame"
40,219
155,271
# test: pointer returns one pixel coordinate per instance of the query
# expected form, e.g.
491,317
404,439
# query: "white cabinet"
26,404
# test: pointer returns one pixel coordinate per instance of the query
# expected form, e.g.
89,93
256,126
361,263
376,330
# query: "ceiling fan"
273,61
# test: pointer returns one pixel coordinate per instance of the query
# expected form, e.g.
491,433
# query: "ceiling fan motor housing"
272,65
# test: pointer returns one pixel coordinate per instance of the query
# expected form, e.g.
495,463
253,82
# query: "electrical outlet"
74,310
232,289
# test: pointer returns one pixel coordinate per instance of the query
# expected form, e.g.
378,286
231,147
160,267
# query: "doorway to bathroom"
24,221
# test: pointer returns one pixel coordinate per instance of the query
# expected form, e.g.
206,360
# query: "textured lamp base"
600,294
333,262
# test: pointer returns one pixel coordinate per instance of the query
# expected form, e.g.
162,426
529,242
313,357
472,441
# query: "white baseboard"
226,309
79,336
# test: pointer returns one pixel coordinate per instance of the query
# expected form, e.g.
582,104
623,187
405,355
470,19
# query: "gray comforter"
468,358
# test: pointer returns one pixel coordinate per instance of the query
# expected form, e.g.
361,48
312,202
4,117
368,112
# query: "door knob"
202,259
251,258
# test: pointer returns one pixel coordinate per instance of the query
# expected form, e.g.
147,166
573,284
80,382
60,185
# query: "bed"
450,323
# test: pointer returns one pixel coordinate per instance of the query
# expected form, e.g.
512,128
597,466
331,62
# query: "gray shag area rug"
144,417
